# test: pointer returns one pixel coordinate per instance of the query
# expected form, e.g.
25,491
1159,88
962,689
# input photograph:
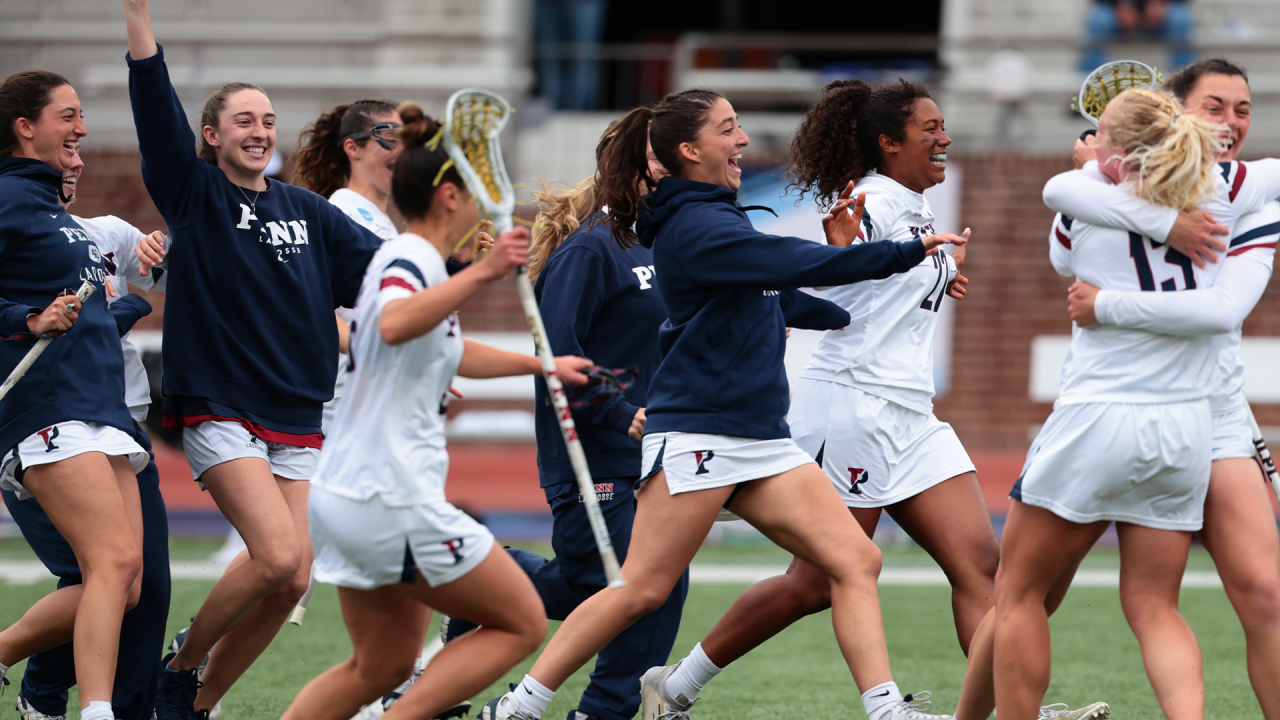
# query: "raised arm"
137,18
728,252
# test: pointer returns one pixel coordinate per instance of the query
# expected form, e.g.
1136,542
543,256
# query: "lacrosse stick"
1108,81
300,610
1264,453
86,289
472,122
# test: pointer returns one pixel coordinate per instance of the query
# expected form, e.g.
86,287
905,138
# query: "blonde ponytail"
1169,154
562,214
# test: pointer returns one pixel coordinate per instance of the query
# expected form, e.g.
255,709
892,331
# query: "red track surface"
504,478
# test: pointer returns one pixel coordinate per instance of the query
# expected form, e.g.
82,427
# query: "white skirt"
696,461
1141,464
64,440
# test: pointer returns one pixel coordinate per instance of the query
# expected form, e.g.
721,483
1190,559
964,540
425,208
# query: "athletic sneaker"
176,693
506,708
27,711
912,707
655,702
176,644
452,628
1060,711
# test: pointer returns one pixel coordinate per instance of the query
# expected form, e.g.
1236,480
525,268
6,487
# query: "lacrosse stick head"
473,120
1109,80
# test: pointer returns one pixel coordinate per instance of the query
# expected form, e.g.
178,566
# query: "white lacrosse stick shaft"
1264,453
86,289
300,610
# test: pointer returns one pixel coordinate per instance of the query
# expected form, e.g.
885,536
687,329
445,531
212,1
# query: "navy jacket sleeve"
14,211
453,267
729,253
170,166
128,310
804,311
573,292
350,248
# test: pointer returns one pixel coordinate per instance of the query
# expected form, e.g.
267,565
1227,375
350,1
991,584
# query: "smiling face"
245,136
920,160
70,178
1225,100
714,157
371,163
54,136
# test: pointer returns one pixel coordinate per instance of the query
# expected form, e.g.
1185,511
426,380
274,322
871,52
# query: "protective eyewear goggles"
383,132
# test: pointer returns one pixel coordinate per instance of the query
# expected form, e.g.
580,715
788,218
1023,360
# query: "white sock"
691,675
97,710
531,694
3,669
875,698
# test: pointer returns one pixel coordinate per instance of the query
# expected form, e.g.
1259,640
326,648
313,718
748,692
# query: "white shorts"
875,451
695,461
1232,433
364,544
64,440
1141,464
214,442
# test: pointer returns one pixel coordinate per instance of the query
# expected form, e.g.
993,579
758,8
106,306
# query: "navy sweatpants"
577,573
51,673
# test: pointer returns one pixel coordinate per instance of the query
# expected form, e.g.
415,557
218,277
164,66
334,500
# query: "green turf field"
797,675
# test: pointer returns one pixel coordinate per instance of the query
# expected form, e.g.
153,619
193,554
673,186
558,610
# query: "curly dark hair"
839,139
1184,80
321,165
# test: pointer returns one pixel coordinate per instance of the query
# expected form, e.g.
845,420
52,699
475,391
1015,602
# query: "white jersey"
388,436
1106,363
1245,203
887,349
117,239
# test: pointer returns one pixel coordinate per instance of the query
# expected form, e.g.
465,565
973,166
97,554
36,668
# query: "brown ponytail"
421,167
321,163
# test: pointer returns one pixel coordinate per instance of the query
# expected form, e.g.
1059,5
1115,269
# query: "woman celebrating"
258,268
598,299
715,434
863,407
64,428
383,531
1142,396
1239,529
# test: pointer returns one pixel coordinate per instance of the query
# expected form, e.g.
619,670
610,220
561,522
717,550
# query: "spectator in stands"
568,68
1168,20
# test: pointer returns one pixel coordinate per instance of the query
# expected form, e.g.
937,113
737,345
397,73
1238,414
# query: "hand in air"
636,431
1080,300
933,242
473,247
1085,150
510,251
569,368
959,287
1194,234
60,315
840,225
150,251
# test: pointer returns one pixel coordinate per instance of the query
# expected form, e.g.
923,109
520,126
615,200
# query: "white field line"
28,572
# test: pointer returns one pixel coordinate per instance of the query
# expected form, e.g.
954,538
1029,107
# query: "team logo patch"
604,492
857,476
702,461
455,546
49,434
94,253
368,216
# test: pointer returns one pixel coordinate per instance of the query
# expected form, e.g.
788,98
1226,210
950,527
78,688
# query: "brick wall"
1014,294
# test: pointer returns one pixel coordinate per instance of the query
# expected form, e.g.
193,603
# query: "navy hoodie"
248,322
598,301
43,252
725,287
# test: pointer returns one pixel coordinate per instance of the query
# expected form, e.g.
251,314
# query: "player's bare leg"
666,534
978,695
801,512
387,629
109,551
1151,566
239,648
249,496
773,604
952,523
1037,549
1239,532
